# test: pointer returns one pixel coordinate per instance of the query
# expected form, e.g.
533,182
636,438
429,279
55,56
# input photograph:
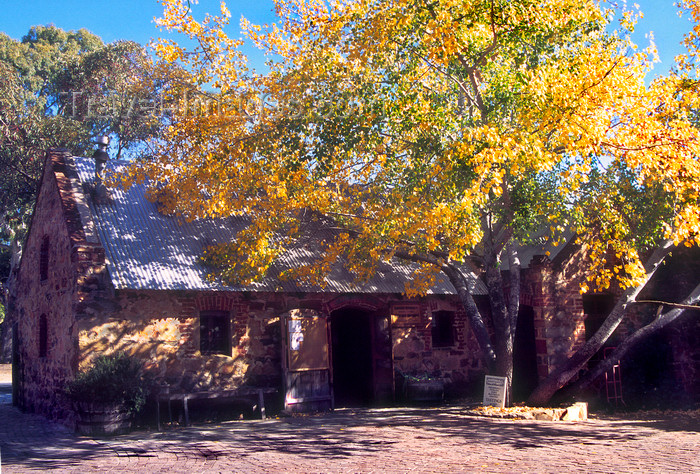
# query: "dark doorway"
351,333
647,376
524,355
596,309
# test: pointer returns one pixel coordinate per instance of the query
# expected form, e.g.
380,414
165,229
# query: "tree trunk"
640,334
561,375
8,300
513,310
463,289
514,301
476,321
501,321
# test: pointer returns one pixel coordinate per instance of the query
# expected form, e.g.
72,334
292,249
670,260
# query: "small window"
44,259
43,336
443,331
214,332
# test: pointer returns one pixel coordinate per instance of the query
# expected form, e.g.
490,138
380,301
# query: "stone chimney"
101,157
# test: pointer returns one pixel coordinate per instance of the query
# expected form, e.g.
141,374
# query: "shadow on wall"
169,357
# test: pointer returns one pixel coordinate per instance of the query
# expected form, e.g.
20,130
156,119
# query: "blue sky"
133,20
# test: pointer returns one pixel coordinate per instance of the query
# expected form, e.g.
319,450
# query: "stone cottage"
105,272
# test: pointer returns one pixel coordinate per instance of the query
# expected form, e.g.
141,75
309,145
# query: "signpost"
495,391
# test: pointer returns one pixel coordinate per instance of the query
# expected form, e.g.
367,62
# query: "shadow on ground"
5,393
39,444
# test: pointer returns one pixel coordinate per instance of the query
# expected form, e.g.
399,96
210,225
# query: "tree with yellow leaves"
445,133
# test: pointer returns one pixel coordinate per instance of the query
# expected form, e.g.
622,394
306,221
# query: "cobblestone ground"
382,440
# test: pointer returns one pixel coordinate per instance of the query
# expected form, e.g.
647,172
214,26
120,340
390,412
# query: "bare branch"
666,303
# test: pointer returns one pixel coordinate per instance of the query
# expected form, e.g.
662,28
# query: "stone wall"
414,355
552,290
162,328
42,376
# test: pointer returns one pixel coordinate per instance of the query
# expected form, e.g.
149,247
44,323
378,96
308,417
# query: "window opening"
443,332
214,332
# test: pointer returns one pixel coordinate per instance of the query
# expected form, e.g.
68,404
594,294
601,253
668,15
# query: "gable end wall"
42,378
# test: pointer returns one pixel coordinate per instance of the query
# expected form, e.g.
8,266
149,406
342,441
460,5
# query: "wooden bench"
164,394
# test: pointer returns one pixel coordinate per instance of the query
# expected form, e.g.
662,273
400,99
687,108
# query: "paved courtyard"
382,440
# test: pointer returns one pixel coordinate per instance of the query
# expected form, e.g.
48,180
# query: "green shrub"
115,378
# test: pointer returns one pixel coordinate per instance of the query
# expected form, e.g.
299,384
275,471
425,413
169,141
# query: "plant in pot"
108,394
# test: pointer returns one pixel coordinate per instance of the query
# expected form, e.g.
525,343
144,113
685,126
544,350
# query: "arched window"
44,259
43,336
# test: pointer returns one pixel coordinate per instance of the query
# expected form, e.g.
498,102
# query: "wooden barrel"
102,419
425,390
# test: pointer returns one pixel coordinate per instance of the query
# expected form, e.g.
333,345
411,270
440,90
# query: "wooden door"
382,363
306,357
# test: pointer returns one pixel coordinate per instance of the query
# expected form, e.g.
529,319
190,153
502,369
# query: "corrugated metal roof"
146,250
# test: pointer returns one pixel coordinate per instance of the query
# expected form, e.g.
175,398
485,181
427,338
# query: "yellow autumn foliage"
443,130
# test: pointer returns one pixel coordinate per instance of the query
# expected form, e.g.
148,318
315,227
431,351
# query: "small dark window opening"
443,330
215,332
44,259
43,336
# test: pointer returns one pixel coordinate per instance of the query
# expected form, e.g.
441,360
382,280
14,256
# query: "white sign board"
495,391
